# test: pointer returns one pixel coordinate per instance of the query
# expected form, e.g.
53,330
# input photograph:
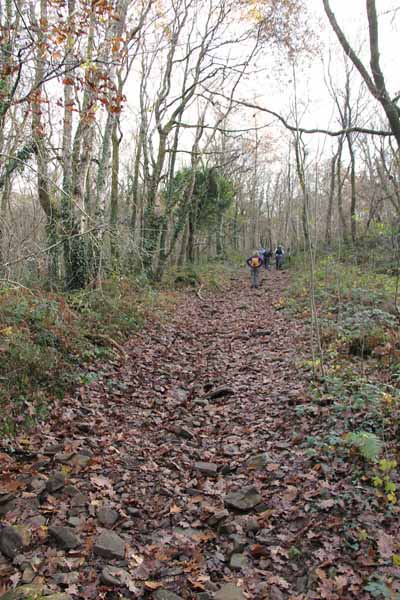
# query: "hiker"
279,255
266,259
254,262
265,256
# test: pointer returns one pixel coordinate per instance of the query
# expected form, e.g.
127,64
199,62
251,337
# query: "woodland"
166,431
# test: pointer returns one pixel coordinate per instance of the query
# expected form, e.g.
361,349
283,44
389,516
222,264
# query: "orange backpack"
255,261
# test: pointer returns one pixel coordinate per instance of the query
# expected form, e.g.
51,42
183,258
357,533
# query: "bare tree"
375,80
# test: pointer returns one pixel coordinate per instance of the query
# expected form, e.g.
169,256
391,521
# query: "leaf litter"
184,469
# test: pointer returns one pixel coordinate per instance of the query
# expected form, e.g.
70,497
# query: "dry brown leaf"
153,585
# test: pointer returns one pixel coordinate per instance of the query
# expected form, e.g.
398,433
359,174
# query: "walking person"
254,262
279,256
265,256
267,259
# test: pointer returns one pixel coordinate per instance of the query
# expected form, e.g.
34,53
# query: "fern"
379,589
368,444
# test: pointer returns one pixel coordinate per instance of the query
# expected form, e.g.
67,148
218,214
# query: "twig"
198,294
17,284
107,338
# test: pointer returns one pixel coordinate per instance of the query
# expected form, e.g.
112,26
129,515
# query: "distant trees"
124,147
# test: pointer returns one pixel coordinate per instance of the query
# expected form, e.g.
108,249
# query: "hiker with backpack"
266,258
279,255
254,262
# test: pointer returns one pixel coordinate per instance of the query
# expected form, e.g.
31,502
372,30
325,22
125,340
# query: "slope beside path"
180,472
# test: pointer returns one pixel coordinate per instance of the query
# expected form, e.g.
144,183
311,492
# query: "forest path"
142,464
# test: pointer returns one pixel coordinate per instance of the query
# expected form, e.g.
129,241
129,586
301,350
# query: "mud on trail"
181,471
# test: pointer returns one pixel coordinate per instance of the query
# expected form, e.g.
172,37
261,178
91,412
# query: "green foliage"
368,444
383,481
380,589
212,194
184,277
209,274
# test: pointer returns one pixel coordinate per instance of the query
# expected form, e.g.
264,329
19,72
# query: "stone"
107,516
211,586
28,575
226,469
200,402
245,499
66,578
13,539
24,592
230,591
63,457
79,500
258,462
210,469
184,433
275,593
7,507
188,532
58,596
251,525
231,450
301,584
261,332
52,449
64,537
262,590
218,517
161,594
79,460
226,527
239,542
36,521
264,537
134,512
238,562
109,545
219,392
74,521
114,575
55,483
6,497
262,507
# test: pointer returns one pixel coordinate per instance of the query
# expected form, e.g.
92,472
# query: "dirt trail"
153,451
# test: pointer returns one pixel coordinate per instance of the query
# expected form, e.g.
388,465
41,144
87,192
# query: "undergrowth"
47,340
212,275
355,375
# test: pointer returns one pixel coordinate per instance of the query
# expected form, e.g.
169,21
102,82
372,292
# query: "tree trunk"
305,204
38,135
342,219
77,250
114,200
328,226
353,216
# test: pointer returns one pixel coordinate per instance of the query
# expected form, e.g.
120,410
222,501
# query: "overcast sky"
273,87
316,107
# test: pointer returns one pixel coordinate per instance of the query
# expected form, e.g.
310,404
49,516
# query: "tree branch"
339,132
